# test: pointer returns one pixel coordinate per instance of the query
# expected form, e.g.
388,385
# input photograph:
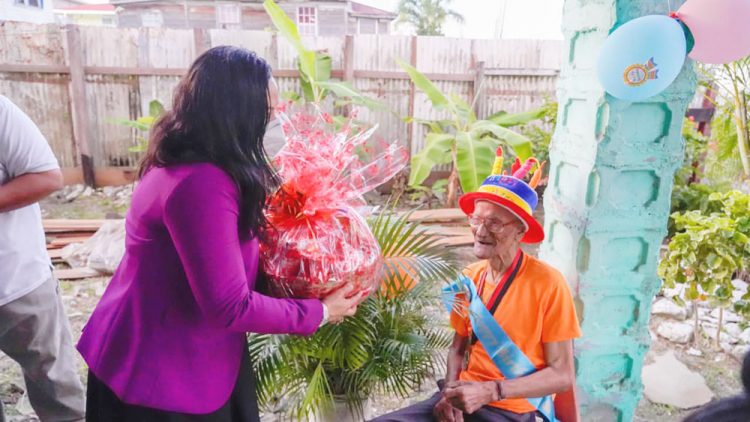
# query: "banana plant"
143,125
463,140
315,66
731,83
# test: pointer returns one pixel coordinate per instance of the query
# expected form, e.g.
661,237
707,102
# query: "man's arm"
566,406
557,377
444,411
29,188
456,355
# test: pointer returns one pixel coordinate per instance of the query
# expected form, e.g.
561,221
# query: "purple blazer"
171,327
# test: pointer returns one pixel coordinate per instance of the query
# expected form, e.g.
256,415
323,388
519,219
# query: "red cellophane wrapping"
316,242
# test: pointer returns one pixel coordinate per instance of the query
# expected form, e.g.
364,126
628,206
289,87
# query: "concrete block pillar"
607,204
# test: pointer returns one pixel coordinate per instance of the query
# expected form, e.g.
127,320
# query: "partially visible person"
732,409
34,329
168,340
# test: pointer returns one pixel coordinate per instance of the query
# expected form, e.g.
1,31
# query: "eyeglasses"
492,225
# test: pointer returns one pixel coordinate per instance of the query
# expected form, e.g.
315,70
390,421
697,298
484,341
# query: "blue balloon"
642,57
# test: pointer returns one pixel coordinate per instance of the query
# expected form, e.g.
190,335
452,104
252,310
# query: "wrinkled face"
498,230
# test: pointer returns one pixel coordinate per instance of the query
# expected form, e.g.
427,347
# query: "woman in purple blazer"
167,341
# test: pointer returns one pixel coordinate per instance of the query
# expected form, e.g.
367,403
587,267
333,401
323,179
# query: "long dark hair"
219,115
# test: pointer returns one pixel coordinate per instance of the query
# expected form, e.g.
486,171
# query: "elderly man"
513,317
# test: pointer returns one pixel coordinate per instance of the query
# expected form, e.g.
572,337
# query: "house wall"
174,15
87,19
332,16
13,12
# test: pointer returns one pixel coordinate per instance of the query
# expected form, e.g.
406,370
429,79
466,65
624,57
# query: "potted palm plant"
390,346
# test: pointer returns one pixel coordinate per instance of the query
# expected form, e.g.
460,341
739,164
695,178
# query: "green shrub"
711,243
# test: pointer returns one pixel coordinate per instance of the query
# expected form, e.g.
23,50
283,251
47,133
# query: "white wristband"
325,315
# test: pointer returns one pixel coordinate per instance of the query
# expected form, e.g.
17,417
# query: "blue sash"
508,358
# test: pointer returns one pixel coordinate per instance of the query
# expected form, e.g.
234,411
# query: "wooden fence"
76,81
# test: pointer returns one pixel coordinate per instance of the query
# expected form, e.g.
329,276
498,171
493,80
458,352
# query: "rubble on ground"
668,381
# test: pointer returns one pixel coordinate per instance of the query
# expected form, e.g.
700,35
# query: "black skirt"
102,405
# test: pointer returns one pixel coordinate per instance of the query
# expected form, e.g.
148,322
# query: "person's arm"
26,159
566,405
201,216
557,377
456,356
444,411
28,189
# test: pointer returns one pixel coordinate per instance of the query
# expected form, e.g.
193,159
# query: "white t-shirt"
24,263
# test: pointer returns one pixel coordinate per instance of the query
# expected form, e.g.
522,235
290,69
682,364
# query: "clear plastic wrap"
316,241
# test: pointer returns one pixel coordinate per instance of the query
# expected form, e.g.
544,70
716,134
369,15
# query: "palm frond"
317,394
408,247
459,18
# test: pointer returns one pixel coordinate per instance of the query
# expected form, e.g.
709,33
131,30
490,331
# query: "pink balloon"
721,29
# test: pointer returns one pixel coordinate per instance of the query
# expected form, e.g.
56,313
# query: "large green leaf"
155,108
315,68
436,126
437,150
436,96
140,123
463,111
475,159
284,24
520,144
515,119
345,90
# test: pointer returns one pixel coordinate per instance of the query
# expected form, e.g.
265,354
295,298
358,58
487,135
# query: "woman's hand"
343,303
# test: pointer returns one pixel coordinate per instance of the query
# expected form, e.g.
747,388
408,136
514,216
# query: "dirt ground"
720,370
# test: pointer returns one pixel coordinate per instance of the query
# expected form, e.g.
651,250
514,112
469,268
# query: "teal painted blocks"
607,205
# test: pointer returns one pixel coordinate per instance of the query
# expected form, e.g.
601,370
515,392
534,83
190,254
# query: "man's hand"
444,412
29,188
470,396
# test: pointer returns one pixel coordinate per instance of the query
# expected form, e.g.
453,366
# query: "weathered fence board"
125,69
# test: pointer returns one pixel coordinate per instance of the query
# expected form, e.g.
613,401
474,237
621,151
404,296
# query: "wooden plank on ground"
65,241
105,176
78,233
448,230
68,225
438,215
76,273
55,254
457,241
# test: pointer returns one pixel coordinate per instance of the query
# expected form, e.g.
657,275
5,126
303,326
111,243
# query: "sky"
536,19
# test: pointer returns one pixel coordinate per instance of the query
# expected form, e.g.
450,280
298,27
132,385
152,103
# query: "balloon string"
669,6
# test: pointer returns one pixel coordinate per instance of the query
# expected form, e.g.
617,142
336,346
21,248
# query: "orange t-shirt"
537,308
